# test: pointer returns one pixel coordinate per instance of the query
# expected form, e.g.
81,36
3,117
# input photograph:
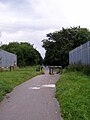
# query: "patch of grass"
8,80
80,68
73,94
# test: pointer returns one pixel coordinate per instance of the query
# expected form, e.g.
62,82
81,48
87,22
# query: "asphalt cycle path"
32,100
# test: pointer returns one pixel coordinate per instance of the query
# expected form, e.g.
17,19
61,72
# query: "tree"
59,43
26,54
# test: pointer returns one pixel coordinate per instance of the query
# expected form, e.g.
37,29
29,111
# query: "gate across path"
57,68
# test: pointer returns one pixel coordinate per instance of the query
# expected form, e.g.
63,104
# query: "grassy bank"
73,94
8,80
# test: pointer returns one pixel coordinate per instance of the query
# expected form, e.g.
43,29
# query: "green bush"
81,68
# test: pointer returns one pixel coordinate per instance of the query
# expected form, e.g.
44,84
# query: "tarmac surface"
32,100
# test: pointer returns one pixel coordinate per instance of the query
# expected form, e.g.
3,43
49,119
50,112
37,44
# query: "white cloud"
31,20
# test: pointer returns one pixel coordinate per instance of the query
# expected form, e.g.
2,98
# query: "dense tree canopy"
59,43
26,54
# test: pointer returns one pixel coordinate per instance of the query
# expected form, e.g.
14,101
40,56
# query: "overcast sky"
30,20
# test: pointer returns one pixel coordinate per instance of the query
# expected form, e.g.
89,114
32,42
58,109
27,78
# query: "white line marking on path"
49,85
43,86
34,88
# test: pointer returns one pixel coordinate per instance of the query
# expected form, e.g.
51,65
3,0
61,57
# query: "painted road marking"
49,85
34,88
43,86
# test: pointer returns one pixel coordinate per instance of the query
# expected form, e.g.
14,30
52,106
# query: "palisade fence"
80,55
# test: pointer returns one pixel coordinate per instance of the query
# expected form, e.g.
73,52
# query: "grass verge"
8,80
73,94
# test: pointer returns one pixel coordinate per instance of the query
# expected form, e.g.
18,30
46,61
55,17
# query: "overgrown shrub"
78,67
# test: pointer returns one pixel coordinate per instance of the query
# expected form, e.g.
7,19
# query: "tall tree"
59,43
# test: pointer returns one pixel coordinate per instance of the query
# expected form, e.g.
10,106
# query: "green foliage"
81,68
73,94
26,54
59,43
8,80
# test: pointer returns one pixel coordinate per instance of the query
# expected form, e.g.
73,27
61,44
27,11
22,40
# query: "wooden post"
10,68
50,70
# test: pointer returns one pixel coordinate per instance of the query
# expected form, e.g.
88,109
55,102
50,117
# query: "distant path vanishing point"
32,100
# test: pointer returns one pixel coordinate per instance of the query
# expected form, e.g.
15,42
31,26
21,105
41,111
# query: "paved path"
32,100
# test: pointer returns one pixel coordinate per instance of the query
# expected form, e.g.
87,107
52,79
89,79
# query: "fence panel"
7,59
80,55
